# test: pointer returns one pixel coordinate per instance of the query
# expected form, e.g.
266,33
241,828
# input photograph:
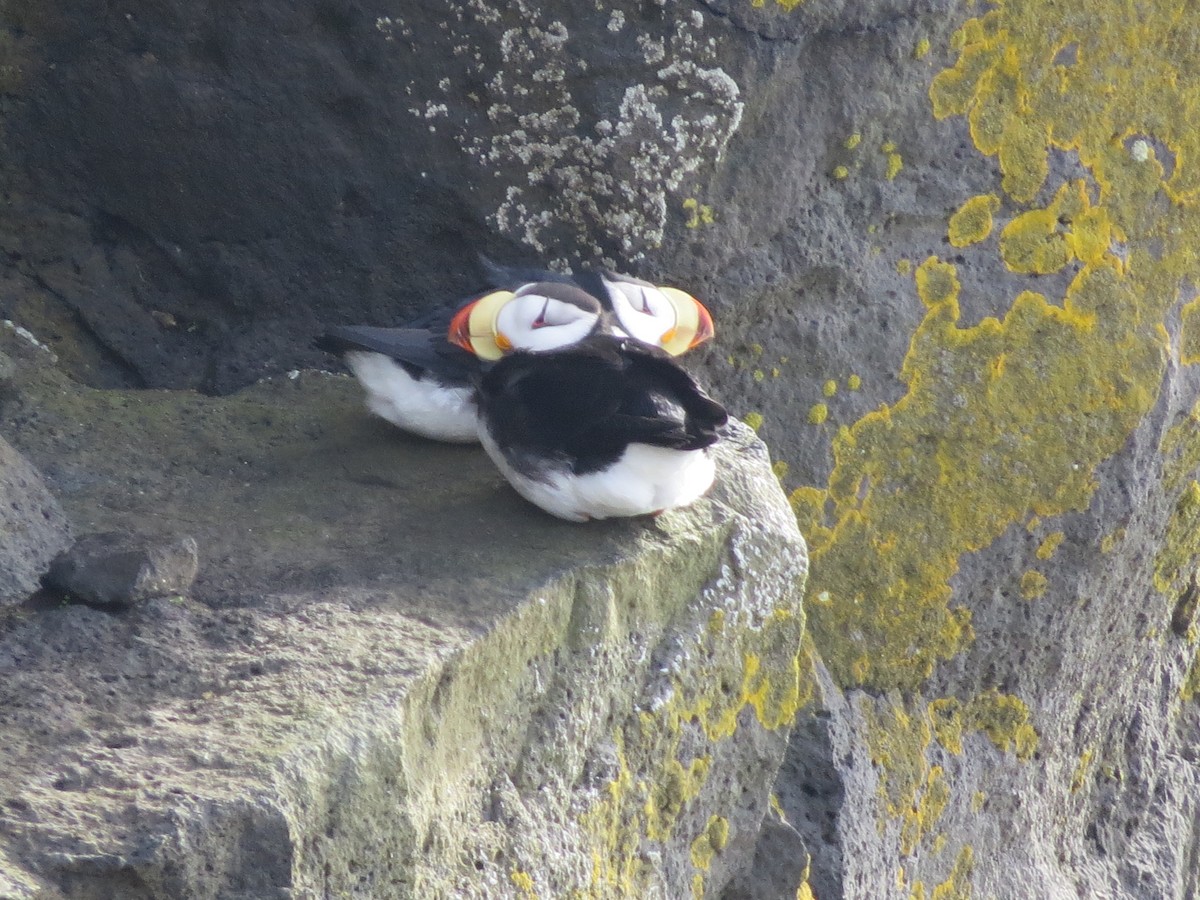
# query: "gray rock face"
392,677
951,254
32,526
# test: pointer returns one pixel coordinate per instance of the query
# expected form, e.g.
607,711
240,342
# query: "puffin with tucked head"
586,424
423,382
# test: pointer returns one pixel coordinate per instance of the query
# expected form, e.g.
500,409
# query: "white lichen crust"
579,179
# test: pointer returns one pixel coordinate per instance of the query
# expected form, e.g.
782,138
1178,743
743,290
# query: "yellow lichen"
1033,584
818,413
1189,333
523,882
921,49
1032,243
937,282
1180,548
1042,241
711,841
1002,718
1109,542
829,388
785,5
645,800
666,797
805,891
1049,545
945,716
853,141
775,806
697,213
1180,449
753,419
958,885
894,165
779,469
1191,682
973,220
840,172
913,792
903,266
1082,768
891,619
854,382
1011,417
716,622
759,375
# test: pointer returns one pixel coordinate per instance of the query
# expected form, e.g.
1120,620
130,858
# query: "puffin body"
605,427
413,378
417,379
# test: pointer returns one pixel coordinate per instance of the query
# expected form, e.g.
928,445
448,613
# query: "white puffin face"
663,317
546,316
642,309
550,315
536,318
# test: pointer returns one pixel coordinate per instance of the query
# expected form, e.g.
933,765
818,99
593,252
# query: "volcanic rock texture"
951,249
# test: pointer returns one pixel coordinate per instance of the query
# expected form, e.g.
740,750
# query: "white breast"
422,407
644,480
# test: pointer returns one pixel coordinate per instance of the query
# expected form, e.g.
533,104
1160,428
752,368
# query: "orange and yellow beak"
693,323
474,327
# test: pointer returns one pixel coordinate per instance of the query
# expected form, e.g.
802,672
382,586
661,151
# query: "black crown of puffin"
545,316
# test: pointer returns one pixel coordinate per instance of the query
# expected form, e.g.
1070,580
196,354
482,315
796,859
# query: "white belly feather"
422,407
644,480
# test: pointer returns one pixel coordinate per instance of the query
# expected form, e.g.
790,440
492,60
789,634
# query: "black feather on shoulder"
416,349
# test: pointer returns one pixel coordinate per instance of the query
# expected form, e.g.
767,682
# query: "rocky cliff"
951,254
393,677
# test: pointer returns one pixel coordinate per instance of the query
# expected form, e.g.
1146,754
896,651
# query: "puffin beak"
693,323
460,328
474,326
704,328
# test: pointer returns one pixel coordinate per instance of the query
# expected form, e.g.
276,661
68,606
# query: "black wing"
659,392
593,400
417,349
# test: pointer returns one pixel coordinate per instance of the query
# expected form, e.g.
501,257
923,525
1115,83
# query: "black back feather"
417,350
589,402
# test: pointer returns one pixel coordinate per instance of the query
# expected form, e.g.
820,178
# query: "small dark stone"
114,569
1185,607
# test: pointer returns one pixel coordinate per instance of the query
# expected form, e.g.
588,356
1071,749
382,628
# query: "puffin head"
664,317
535,318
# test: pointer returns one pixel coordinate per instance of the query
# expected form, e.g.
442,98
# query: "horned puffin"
601,427
420,381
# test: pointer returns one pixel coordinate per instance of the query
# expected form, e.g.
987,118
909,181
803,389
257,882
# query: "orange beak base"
704,328
460,328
